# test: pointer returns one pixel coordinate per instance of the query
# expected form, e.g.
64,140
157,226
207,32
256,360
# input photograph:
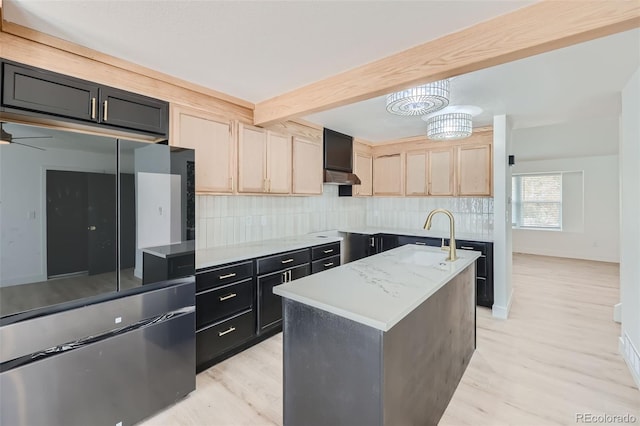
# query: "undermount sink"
425,258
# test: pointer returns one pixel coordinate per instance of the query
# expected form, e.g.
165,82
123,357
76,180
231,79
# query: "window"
537,201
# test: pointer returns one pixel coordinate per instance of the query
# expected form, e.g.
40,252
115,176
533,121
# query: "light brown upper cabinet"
307,166
278,163
264,161
416,173
441,166
387,174
474,170
363,167
214,145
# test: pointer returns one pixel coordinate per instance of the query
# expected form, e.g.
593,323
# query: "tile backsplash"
472,215
223,220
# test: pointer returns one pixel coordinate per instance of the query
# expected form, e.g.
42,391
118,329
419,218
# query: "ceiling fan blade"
33,137
28,146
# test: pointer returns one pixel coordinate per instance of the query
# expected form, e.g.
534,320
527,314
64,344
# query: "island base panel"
332,368
340,372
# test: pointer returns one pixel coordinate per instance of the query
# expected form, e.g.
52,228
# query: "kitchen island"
380,341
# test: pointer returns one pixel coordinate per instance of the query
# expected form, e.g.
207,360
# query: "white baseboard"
617,312
502,312
631,357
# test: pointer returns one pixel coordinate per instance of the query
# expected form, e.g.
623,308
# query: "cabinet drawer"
223,275
322,264
472,245
218,338
282,261
218,303
326,250
422,241
180,266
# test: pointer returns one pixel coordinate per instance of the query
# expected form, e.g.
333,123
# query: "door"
132,111
474,170
362,169
101,223
307,166
214,146
416,170
278,163
387,175
441,172
269,304
252,159
43,91
66,212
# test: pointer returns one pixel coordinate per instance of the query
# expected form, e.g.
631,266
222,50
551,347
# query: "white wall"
502,236
590,210
630,224
23,249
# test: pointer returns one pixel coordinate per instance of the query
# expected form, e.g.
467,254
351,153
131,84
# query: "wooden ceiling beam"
539,28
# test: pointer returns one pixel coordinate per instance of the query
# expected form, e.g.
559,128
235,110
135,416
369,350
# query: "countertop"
172,250
380,290
418,232
207,258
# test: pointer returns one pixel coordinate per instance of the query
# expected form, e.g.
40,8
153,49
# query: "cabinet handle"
284,277
467,248
269,185
287,261
222,277
227,297
231,183
371,242
222,333
328,251
289,272
326,265
93,108
105,108
419,243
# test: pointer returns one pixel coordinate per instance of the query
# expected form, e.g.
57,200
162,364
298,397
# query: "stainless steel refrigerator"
97,288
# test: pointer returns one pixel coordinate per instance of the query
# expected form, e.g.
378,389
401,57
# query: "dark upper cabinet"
131,111
43,93
50,93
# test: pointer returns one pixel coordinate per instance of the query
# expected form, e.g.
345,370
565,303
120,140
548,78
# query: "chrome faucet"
452,231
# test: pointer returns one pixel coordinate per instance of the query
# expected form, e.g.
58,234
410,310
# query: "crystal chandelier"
419,100
449,126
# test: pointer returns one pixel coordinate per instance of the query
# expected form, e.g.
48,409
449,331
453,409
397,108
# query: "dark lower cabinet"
235,304
212,341
269,304
484,270
41,93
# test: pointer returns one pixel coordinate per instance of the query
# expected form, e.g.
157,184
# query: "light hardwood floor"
556,356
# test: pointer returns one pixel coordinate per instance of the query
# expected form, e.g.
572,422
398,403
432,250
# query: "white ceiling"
259,49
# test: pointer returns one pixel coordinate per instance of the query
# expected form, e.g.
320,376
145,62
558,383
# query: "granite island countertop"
380,290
